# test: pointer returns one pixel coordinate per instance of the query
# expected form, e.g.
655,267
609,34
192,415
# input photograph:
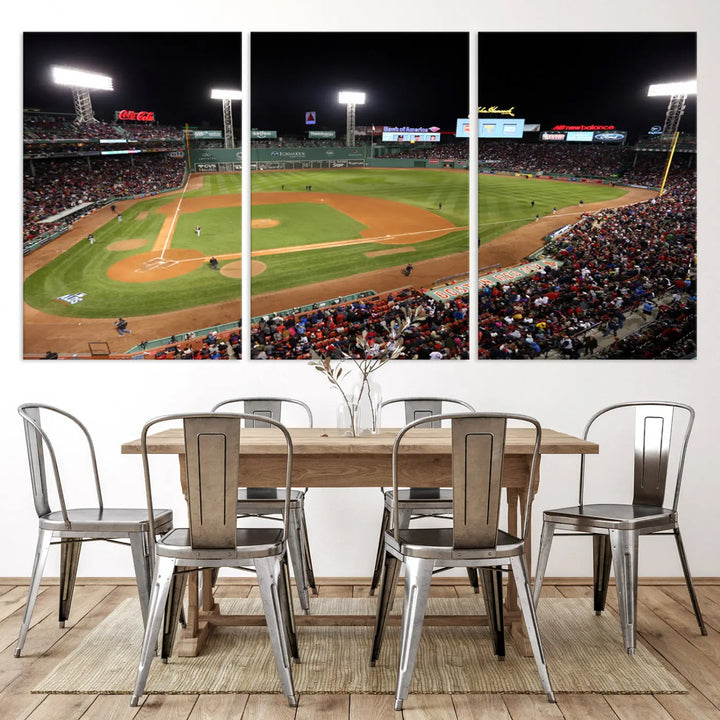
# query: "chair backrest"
653,433
39,446
420,407
213,467
263,407
478,450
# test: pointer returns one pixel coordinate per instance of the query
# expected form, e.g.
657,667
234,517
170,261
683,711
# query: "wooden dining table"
324,458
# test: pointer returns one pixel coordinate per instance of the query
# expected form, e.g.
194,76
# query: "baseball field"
316,235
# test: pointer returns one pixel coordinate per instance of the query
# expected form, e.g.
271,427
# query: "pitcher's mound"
234,269
261,223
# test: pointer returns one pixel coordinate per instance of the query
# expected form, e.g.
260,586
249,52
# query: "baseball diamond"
352,232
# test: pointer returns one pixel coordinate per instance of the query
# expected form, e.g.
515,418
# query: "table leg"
193,618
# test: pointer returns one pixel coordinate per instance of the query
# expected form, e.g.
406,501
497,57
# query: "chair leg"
69,559
380,556
602,560
522,582
173,612
309,571
546,538
624,546
688,580
41,553
388,585
142,562
297,559
418,574
491,579
268,574
286,607
472,574
164,570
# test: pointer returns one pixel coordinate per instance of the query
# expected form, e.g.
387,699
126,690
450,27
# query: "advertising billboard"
492,127
263,134
553,136
610,136
410,137
580,136
406,133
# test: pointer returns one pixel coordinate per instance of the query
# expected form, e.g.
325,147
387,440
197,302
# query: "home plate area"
156,263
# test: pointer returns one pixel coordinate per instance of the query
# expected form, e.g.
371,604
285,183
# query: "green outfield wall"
304,158
277,158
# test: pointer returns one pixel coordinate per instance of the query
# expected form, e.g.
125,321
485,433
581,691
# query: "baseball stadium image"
362,239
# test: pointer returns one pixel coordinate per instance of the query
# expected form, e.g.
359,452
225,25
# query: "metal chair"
616,528
414,503
73,526
213,540
474,540
269,502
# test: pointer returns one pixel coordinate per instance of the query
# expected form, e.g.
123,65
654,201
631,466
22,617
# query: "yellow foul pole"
670,157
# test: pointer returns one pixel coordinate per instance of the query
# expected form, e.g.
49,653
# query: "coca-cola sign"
141,116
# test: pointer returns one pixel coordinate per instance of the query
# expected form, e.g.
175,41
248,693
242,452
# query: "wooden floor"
665,623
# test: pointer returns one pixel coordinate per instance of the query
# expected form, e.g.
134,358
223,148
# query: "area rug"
584,655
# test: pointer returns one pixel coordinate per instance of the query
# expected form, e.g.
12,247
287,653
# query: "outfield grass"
504,204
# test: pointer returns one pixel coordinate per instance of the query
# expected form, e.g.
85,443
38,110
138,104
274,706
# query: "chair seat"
612,516
420,497
107,520
250,543
437,543
276,496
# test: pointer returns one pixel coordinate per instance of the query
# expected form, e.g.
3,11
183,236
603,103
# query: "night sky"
413,79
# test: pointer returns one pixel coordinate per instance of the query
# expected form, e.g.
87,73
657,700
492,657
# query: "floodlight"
81,83
687,87
81,79
227,96
349,97
677,92
216,94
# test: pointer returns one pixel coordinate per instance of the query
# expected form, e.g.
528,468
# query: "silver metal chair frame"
268,502
70,527
414,503
475,540
616,528
213,539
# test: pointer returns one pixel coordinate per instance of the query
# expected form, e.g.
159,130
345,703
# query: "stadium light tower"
678,92
227,96
81,83
351,99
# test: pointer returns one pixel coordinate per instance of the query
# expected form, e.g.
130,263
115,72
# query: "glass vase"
345,419
366,401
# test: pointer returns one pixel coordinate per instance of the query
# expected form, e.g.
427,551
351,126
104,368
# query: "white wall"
115,399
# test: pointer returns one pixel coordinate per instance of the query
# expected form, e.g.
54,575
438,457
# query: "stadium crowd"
57,127
623,164
55,186
440,333
617,262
